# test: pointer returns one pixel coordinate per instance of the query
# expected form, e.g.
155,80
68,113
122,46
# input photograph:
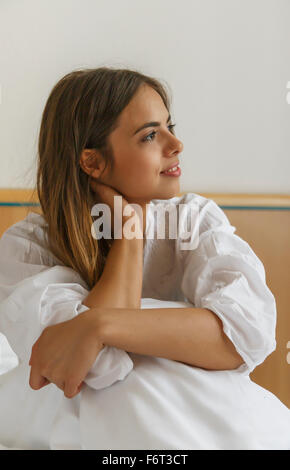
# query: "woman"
108,133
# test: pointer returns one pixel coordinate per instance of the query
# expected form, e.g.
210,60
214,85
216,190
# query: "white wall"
227,63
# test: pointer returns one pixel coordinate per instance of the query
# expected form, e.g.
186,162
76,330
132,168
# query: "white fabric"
222,274
131,401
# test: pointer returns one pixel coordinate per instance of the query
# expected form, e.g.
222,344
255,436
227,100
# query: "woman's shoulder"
205,211
26,241
184,198
32,228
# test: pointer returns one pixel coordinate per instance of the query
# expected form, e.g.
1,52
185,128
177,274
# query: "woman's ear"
91,162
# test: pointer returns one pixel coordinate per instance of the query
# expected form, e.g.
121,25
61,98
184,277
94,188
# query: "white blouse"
220,272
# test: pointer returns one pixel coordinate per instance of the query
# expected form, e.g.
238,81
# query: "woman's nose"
178,145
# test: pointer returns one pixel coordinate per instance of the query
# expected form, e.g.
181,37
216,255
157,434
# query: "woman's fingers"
64,353
45,382
72,388
36,380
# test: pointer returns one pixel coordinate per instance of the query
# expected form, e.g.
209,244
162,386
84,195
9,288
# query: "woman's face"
141,155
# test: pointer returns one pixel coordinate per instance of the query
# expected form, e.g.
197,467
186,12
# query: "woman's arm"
120,285
65,352
194,336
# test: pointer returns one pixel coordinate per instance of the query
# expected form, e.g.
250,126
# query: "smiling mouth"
172,173
175,171
170,170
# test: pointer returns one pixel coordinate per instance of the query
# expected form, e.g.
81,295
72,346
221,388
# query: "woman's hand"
64,354
106,195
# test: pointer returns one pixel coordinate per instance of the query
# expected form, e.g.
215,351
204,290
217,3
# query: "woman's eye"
152,134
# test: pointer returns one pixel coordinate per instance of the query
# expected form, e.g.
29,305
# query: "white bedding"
149,403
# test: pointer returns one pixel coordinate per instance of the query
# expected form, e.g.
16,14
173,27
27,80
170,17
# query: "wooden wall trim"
11,196
249,200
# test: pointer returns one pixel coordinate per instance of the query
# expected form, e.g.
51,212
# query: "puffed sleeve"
223,274
46,295
61,302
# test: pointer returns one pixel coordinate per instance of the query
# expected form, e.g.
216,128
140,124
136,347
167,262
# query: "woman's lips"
177,172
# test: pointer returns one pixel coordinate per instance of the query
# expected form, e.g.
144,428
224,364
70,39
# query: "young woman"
176,372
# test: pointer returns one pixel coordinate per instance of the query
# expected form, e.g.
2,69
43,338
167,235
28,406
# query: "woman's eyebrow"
151,124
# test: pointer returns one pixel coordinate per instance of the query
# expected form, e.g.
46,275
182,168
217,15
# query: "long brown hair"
81,111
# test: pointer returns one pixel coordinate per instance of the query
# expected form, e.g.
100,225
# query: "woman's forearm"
120,285
192,335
